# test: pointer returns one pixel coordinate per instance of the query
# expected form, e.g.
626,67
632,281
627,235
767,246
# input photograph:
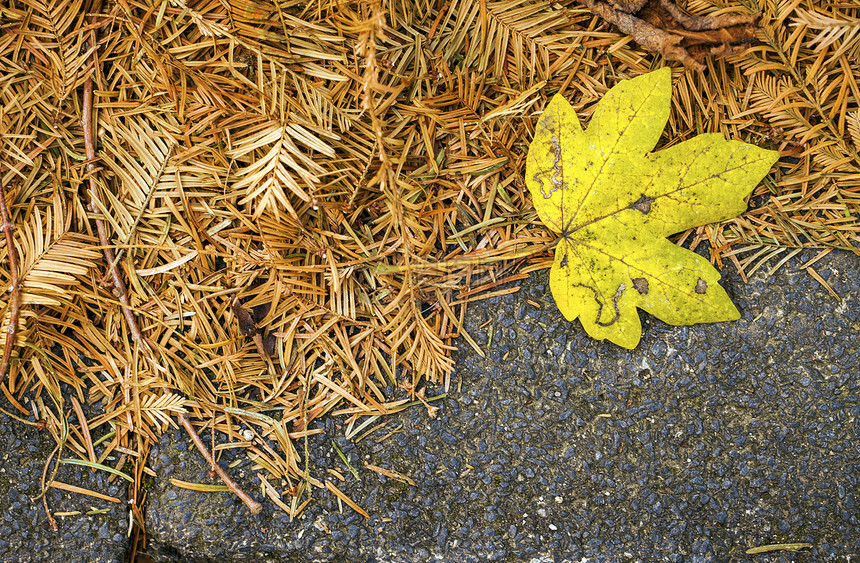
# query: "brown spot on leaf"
701,286
563,262
641,285
643,204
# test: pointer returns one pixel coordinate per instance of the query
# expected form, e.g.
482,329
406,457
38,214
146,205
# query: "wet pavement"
702,443
93,529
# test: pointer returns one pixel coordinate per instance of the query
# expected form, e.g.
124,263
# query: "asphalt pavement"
700,444
88,529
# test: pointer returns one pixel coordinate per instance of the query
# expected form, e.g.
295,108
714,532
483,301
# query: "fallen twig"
254,506
778,547
96,206
14,288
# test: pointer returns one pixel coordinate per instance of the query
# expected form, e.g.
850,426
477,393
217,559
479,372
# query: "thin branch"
142,212
254,506
14,288
96,205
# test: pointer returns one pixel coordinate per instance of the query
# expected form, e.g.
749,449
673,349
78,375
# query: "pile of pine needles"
251,214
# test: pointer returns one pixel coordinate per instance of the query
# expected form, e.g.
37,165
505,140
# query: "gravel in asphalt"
97,533
703,442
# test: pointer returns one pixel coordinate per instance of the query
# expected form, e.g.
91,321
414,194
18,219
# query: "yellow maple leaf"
613,202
